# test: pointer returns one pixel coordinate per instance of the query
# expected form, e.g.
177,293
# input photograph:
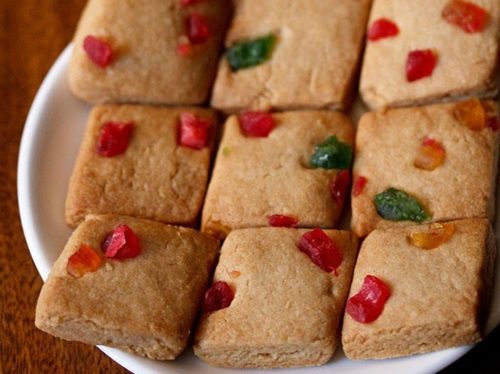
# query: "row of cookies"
284,57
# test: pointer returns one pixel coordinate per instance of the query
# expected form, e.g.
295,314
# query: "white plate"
49,146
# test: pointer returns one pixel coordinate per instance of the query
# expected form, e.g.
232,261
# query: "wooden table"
32,34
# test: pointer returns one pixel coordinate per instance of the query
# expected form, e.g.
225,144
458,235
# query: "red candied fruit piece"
198,31
256,124
219,296
368,304
420,64
321,249
193,131
382,28
469,17
99,51
83,261
114,138
279,220
121,243
339,187
184,49
359,185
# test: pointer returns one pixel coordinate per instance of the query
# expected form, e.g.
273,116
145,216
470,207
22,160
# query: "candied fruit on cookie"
142,161
420,300
280,308
145,305
423,165
289,171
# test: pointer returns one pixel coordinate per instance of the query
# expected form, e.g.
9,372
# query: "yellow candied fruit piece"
429,157
433,237
471,113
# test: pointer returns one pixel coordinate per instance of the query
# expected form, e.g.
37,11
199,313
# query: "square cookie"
286,309
145,305
425,164
307,54
143,51
419,52
258,177
438,298
154,177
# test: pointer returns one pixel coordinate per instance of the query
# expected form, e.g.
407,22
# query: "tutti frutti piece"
368,304
114,138
256,124
339,187
420,64
470,17
281,220
98,50
249,53
83,261
430,155
321,249
218,296
433,236
381,29
193,130
121,243
396,205
331,154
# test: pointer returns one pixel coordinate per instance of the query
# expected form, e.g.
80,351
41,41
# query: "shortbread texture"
387,144
155,178
286,309
438,296
313,64
254,178
467,62
146,67
144,305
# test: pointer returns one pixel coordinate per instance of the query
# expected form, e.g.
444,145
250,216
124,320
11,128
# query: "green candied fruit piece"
396,205
248,53
331,154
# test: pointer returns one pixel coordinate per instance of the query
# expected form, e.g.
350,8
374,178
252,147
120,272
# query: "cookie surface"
285,310
155,178
312,64
466,62
144,305
438,297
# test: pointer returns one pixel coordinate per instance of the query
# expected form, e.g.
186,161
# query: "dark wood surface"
32,34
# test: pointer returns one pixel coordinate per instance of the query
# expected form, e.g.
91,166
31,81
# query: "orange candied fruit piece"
431,155
83,261
466,15
471,113
433,237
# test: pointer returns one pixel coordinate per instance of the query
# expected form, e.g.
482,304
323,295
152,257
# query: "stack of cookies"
143,269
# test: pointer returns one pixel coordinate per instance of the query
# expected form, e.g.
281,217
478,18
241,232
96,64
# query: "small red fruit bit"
339,187
99,51
368,304
359,185
469,17
219,296
121,243
256,124
114,138
197,29
420,64
184,49
382,28
279,220
193,131
83,261
321,249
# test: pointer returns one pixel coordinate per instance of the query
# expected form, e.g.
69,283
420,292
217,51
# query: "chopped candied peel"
381,29
280,220
114,138
256,124
98,51
431,154
321,249
218,296
359,186
198,31
433,237
368,304
466,15
339,187
471,113
193,131
121,243
84,260
420,64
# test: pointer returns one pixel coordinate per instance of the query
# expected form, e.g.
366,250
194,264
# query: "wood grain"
32,35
